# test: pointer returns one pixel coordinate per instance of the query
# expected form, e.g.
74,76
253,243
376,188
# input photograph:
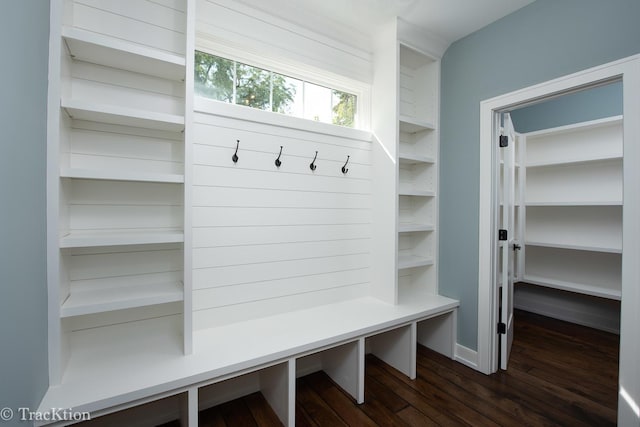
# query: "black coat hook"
235,155
344,168
313,165
278,162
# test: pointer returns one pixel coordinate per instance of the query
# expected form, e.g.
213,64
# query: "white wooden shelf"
410,228
412,261
413,125
573,287
104,50
417,193
99,301
576,203
94,238
411,159
576,161
113,114
112,175
132,363
560,245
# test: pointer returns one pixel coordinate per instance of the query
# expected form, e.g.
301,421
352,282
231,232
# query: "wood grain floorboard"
559,374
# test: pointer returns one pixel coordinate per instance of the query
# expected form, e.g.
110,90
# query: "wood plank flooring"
559,374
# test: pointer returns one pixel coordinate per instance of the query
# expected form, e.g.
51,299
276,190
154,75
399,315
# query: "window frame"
296,70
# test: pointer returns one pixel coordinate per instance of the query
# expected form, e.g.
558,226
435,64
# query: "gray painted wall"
24,43
545,40
590,104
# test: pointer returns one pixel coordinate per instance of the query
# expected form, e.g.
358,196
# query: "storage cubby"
171,409
102,279
276,383
419,79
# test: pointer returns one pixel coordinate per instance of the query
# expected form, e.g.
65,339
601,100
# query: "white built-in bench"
237,359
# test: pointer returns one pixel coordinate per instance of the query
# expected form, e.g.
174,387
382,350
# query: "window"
237,83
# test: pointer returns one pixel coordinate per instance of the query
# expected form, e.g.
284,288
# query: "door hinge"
502,328
502,234
504,141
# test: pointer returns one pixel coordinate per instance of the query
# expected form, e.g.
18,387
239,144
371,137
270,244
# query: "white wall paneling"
222,22
264,235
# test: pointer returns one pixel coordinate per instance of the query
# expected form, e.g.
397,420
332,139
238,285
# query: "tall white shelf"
573,200
117,246
417,160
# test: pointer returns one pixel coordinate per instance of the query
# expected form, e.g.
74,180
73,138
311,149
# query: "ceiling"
448,20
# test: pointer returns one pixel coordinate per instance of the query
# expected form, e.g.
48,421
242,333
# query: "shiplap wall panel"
407,92
104,267
268,289
102,146
220,316
227,20
143,22
95,205
229,275
121,318
267,236
259,235
111,86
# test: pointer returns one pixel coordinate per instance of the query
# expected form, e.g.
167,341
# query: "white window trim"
296,70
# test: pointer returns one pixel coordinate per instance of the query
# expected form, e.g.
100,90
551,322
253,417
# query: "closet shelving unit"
417,173
573,198
116,163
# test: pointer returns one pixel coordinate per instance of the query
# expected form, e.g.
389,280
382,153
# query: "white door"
507,246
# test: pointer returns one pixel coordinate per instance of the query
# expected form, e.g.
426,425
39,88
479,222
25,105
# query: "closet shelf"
99,301
113,114
413,125
574,247
575,203
410,228
412,159
573,287
104,50
575,161
117,175
412,261
93,238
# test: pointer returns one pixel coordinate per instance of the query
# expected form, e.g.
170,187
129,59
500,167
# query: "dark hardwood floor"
559,374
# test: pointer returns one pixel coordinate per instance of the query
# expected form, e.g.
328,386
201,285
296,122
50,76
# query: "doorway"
626,71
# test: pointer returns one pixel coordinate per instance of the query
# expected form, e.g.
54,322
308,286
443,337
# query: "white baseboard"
466,356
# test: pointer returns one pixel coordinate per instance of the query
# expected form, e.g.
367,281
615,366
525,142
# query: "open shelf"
410,228
417,193
413,125
412,159
113,175
93,238
561,245
104,50
573,287
112,114
574,161
99,301
575,203
412,261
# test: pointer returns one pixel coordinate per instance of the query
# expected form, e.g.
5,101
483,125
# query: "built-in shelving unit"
417,173
573,200
117,164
